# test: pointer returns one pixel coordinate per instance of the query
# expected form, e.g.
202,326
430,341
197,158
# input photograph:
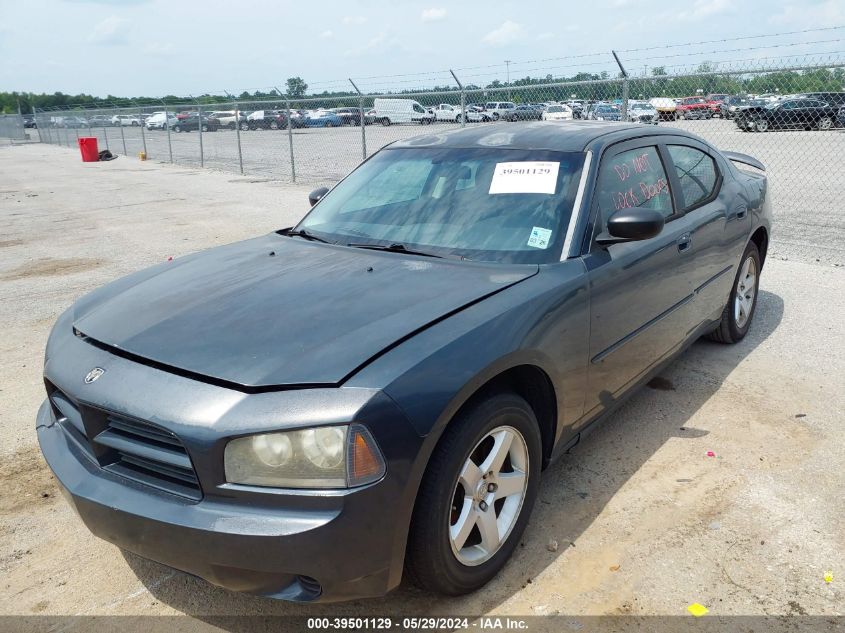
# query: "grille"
147,454
131,448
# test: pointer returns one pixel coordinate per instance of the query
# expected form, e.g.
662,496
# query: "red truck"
693,108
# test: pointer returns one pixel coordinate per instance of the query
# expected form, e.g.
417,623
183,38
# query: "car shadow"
573,492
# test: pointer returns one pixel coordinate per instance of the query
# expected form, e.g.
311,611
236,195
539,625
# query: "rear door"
639,292
717,220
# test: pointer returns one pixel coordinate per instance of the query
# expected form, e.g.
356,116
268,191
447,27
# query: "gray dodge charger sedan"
308,414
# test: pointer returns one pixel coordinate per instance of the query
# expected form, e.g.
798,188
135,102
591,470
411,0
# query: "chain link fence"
12,127
789,116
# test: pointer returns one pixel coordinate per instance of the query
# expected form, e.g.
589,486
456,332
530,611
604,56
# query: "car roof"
575,136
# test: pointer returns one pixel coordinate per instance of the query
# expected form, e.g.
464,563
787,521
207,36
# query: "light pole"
508,67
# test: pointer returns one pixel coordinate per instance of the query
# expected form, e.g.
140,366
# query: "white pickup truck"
448,112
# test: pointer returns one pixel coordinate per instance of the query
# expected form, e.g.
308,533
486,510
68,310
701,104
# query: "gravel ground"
644,521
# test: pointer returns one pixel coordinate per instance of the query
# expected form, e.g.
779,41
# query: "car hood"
277,311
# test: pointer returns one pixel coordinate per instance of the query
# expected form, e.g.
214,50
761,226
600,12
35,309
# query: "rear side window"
696,172
633,179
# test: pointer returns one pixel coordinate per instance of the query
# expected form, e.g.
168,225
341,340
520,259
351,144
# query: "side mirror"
629,225
315,196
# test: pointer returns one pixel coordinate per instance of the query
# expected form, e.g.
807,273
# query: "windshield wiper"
305,235
398,247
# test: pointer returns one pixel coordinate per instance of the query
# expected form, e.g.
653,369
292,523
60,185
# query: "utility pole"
508,66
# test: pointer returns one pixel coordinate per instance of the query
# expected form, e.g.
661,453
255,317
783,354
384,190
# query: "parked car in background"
452,113
794,114
524,112
558,113
125,120
715,101
160,120
323,118
370,116
100,120
693,108
665,107
389,111
191,123
604,112
265,120
349,116
499,109
642,112
29,121
840,116
730,105
228,118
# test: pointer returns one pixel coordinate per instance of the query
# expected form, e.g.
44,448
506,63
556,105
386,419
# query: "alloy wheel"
746,292
488,495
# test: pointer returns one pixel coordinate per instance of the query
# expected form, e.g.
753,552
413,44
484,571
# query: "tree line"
593,86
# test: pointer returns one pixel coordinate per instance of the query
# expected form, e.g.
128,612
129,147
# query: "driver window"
633,179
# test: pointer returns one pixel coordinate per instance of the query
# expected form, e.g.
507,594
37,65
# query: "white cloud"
354,19
701,9
109,31
327,35
803,16
507,33
433,14
158,49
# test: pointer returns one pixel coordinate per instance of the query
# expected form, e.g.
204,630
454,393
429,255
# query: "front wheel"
476,496
761,125
177,128
739,311
385,121
244,126
825,123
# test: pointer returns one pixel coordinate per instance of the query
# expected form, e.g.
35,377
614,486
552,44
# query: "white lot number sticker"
539,237
525,177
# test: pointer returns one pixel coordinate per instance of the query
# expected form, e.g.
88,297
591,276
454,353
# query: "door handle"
684,242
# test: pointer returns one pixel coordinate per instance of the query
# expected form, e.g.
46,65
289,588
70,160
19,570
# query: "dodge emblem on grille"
94,374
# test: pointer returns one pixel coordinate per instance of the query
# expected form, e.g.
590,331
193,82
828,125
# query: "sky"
185,47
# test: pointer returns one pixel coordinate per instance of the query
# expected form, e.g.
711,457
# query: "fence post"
362,121
290,142
463,98
238,133
142,125
167,124
624,108
199,128
103,125
122,136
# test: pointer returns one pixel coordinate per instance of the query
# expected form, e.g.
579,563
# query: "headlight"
600,118
323,457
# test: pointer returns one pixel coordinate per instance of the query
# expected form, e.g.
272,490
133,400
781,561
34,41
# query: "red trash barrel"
88,148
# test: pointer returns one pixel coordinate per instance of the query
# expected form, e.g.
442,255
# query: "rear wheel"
825,123
739,311
244,126
177,128
476,496
205,128
761,125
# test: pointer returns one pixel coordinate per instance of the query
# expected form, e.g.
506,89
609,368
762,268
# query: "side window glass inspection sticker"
540,238
525,177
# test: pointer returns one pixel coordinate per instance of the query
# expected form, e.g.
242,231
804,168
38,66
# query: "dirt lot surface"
638,520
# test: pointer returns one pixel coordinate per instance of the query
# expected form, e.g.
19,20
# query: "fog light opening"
310,586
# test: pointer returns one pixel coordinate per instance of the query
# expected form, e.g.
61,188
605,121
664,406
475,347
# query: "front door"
639,296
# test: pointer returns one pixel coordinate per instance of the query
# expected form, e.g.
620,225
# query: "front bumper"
337,549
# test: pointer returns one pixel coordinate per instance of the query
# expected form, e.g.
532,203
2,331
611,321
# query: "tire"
733,329
177,128
431,559
231,126
385,121
273,125
205,128
134,124
761,125
678,116
825,123
244,126
495,116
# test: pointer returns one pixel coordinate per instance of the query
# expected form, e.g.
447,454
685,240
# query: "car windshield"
499,205
554,109
641,106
